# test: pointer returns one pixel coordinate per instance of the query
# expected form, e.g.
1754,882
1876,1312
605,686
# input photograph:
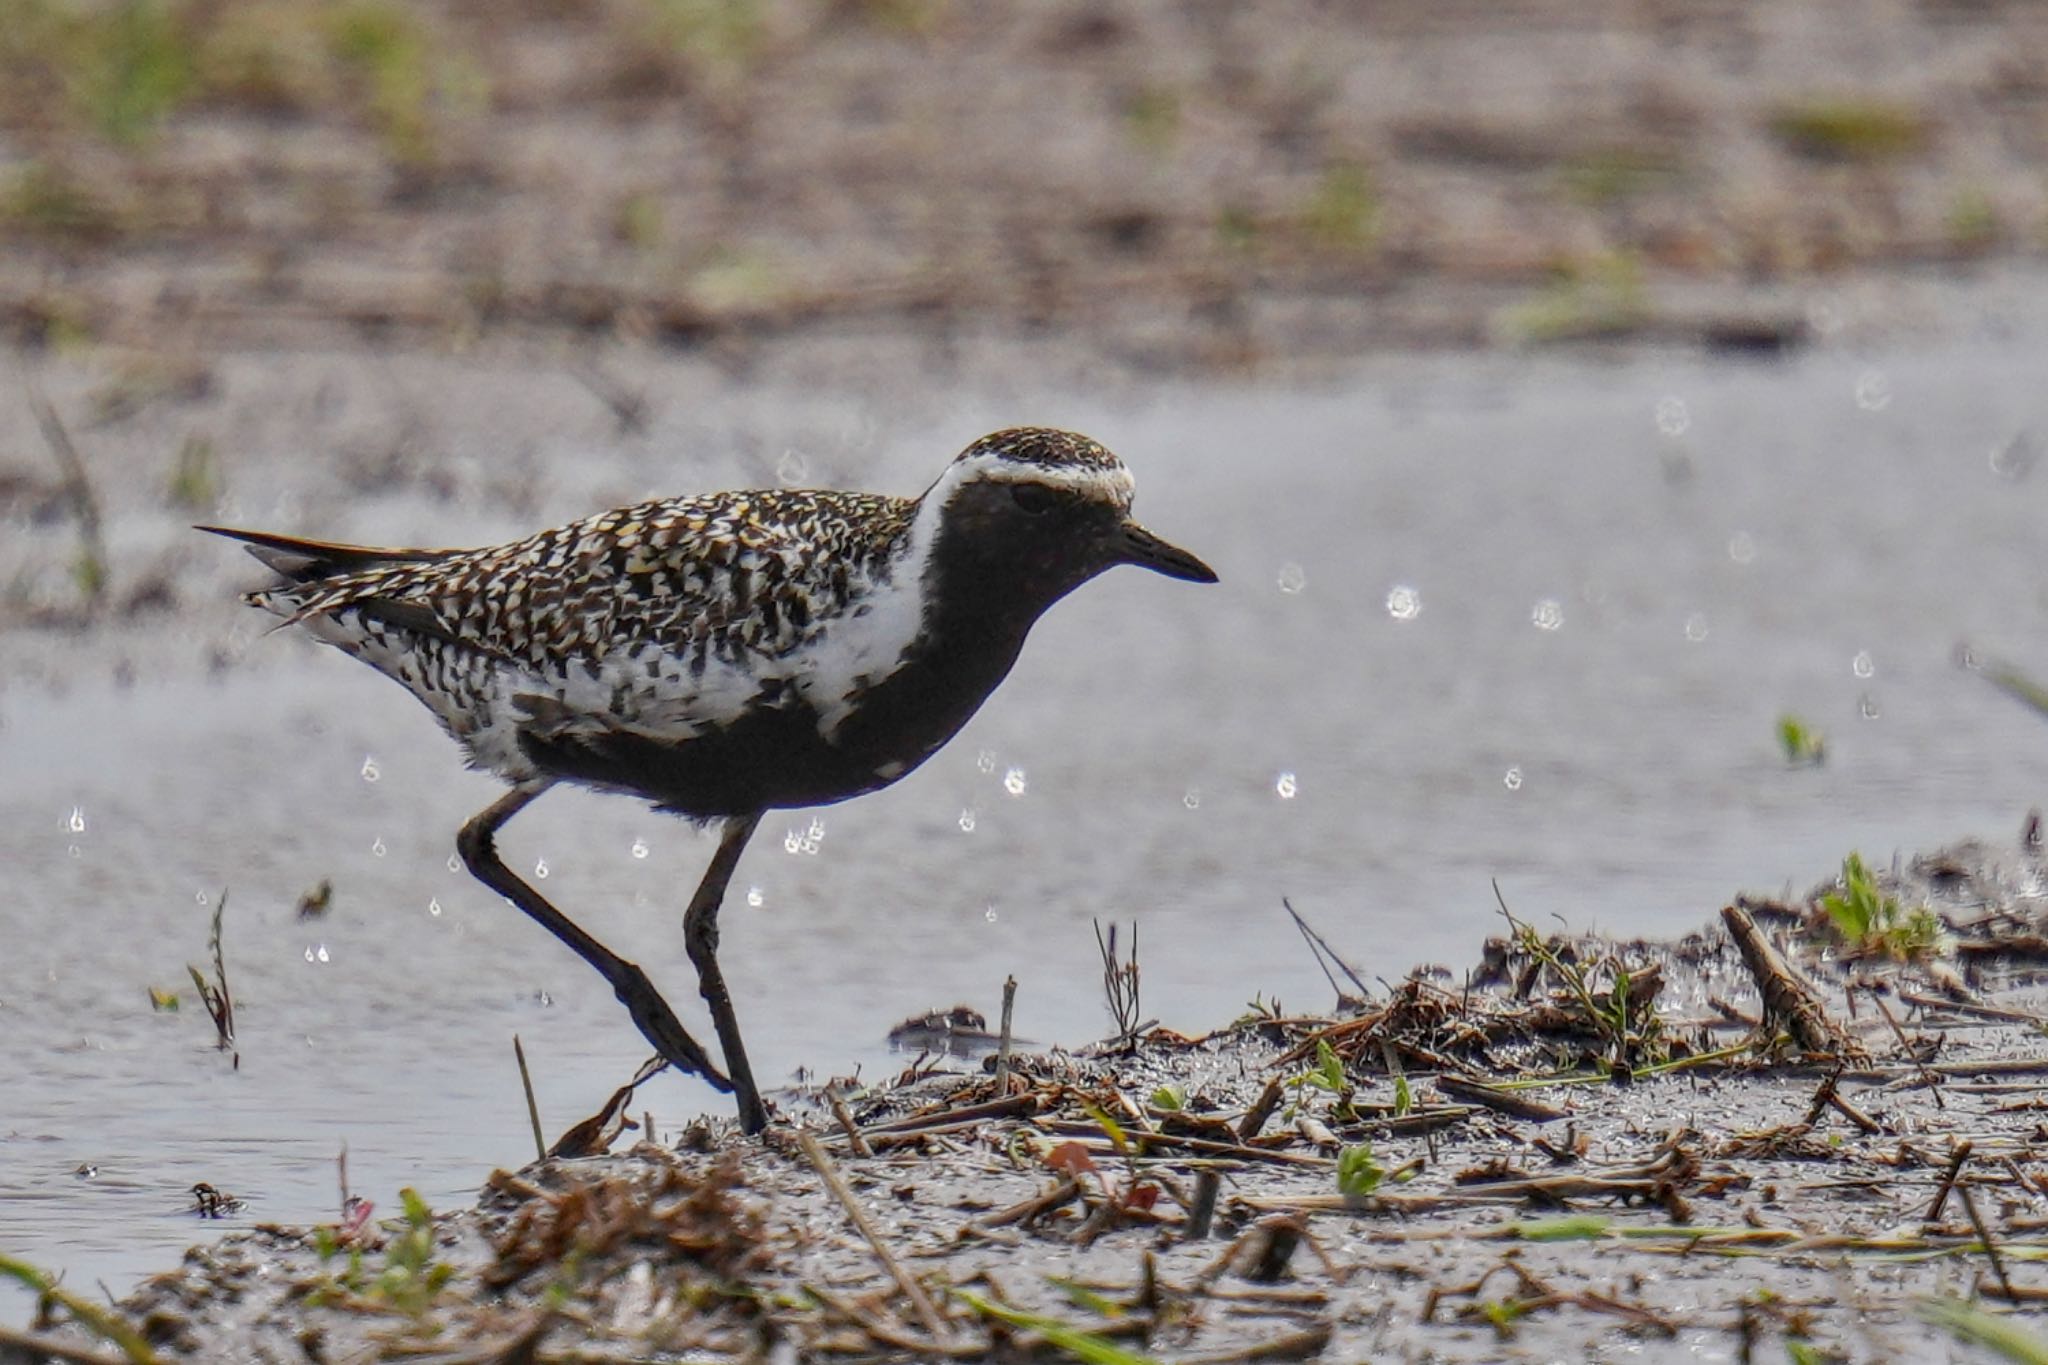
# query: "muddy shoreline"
1579,1148
1192,188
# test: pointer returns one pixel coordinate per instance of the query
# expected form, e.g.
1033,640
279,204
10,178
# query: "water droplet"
1866,705
316,953
1873,391
1192,798
1285,786
1742,547
989,914
1512,779
371,772
986,760
967,820
199,896
792,470
453,865
1862,665
1548,614
639,848
1672,416
76,824
540,869
543,999
434,906
74,850
1293,578
1696,627
1013,782
1404,603
377,847
754,897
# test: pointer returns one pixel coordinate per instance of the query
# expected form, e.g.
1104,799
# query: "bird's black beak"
1133,544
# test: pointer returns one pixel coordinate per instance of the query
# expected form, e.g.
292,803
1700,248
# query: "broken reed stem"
912,1290
1956,1158
1003,1048
1208,1185
844,1116
85,504
1984,1236
540,1144
1932,1081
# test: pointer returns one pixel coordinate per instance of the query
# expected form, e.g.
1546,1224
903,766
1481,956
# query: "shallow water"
1480,617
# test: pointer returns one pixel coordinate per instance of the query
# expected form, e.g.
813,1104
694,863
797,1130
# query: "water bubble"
1548,614
317,954
453,865
1013,782
754,897
1293,578
434,907
74,850
377,846
540,869
1672,417
1696,627
639,848
1192,798
967,820
792,470
199,896
989,914
1742,547
371,772
76,824
1285,787
985,760
2014,459
1512,779
1861,665
1403,602
1866,706
1873,391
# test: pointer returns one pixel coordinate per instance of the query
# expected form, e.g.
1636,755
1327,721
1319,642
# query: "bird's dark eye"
1034,498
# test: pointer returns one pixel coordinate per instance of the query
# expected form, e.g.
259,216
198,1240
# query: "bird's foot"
659,1025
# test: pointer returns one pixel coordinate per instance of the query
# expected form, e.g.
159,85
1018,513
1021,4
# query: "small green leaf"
1358,1173
1404,1098
1082,1346
1109,1126
1170,1097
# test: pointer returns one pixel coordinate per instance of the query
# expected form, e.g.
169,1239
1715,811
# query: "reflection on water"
1702,547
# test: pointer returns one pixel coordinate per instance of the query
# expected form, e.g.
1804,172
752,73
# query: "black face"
1041,542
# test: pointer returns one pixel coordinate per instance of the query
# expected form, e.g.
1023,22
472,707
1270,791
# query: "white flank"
861,646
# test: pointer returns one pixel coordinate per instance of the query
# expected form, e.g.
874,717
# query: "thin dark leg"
700,936
656,1020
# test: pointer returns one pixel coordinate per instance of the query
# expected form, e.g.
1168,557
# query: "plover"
725,655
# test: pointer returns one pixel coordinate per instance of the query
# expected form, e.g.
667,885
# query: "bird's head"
1048,510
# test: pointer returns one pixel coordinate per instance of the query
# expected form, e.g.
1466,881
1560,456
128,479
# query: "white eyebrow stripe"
1114,483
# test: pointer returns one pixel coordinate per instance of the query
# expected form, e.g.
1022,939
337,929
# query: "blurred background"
1569,394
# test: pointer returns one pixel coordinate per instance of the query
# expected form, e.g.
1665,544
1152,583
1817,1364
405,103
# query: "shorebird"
723,656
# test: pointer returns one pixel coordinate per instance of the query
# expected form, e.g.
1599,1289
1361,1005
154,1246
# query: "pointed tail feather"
308,561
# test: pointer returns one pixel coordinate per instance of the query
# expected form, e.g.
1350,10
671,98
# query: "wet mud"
1774,1134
